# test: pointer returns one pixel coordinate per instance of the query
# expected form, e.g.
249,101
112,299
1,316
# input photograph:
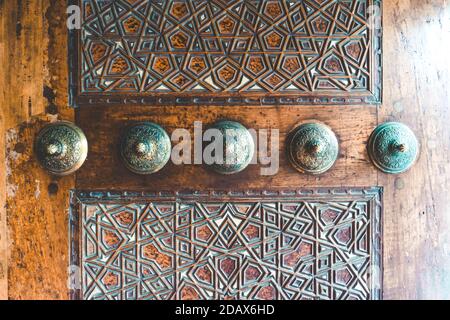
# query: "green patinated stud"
312,148
393,147
238,147
145,148
61,148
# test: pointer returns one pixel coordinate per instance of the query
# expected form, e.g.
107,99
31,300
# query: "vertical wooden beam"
34,92
22,33
417,203
3,224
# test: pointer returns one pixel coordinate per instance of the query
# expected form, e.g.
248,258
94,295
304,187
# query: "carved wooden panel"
226,52
318,244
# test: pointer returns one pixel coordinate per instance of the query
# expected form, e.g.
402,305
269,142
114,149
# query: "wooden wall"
417,204
33,82
33,205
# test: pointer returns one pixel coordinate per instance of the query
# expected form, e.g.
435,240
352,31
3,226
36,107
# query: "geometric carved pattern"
226,52
324,244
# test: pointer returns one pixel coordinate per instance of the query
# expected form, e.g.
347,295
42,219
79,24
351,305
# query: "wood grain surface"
33,82
417,203
3,223
104,127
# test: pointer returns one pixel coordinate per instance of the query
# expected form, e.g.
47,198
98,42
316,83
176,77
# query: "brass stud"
393,148
61,148
312,148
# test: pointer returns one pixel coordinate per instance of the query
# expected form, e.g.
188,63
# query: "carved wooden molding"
226,52
296,244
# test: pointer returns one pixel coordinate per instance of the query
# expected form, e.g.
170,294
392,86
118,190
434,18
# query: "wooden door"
186,231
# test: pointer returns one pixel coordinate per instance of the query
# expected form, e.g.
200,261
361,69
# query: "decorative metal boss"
61,148
312,148
238,148
145,148
393,147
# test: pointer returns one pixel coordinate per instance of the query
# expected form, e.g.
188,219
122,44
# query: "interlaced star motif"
291,246
270,51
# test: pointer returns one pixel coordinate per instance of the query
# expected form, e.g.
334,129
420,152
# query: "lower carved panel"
309,244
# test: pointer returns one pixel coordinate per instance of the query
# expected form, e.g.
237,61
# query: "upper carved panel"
226,52
311,244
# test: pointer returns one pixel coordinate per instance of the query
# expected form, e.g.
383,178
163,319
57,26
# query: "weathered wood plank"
34,92
22,33
417,203
3,224
37,218
104,126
